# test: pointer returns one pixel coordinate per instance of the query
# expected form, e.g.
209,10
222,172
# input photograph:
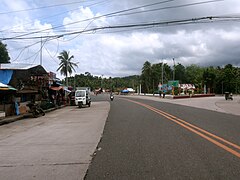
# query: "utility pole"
67,74
173,69
102,81
222,87
140,88
41,52
74,82
162,73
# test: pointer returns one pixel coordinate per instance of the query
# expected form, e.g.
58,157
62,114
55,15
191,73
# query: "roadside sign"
173,83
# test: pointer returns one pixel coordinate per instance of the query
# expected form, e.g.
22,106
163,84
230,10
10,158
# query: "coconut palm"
66,66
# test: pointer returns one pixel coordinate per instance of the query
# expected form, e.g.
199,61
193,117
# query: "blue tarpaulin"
5,75
125,91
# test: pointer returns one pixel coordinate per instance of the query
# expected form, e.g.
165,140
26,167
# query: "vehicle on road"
82,98
111,97
35,109
228,96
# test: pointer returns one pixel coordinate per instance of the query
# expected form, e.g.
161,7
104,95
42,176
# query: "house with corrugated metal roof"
29,80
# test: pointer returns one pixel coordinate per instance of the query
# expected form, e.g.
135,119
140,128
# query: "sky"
99,35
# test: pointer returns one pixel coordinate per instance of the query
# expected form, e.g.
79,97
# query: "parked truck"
82,97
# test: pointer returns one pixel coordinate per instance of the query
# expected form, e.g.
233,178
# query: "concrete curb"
11,119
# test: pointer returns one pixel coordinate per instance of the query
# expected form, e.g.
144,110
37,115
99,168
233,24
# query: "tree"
209,78
180,73
230,78
66,66
4,57
146,76
194,75
156,75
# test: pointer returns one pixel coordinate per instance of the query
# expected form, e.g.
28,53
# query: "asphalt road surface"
145,140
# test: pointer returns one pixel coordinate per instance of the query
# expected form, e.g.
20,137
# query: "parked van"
82,98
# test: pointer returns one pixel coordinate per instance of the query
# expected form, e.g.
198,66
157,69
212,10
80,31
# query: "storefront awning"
56,88
5,87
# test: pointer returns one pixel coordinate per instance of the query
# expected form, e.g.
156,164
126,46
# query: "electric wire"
52,57
43,7
119,13
24,49
154,24
97,17
168,7
47,17
43,43
138,26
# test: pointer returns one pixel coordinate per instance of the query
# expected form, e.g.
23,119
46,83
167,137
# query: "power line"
43,7
52,57
118,13
29,22
142,25
35,54
168,7
94,18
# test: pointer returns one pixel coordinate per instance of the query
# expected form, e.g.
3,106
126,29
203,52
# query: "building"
30,81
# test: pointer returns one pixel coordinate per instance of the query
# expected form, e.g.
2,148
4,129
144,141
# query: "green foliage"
146,76
180,73
66,65
217,79
194,75
95,82
152,75
209,78
228,79
4,57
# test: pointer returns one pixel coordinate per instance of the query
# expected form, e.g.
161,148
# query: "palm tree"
146,76
66,66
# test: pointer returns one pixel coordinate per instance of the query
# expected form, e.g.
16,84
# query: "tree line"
216,79
115,84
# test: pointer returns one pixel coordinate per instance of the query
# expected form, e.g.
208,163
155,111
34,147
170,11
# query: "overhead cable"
43,7
153,24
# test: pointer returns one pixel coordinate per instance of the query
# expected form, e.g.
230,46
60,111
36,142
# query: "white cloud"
123,53
81,15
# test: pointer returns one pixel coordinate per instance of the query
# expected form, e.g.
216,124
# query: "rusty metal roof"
32,68
17,66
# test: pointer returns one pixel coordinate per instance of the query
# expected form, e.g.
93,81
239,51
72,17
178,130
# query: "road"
140,139
157,140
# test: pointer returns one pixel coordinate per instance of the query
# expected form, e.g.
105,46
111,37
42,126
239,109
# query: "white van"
82,98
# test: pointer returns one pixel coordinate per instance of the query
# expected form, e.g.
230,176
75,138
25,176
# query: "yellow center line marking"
194,129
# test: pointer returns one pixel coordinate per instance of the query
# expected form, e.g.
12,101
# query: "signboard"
164,88
173,83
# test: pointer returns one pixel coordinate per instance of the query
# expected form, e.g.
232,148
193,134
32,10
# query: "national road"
146,139
124,139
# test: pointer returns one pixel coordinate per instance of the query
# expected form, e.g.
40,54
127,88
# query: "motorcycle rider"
111,96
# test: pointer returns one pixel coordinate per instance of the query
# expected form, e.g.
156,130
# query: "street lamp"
101,81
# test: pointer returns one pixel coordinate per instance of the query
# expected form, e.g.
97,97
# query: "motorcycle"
35,109
228,96
111,97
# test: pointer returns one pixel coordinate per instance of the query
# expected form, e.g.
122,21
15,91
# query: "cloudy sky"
99,34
